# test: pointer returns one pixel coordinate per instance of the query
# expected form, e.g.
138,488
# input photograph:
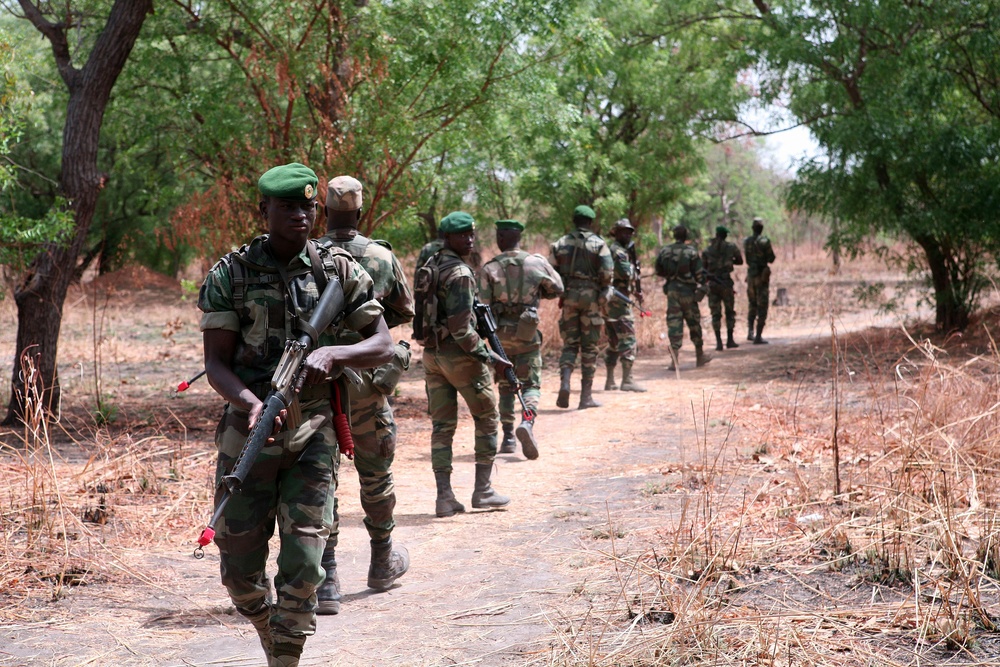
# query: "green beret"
289,181
721,229
584,212
509,224
458,221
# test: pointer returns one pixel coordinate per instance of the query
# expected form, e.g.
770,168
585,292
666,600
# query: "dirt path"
484,588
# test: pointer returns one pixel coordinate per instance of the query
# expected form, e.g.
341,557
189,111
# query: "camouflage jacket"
582,258
428,251
719,258
759,254
456,292
680,264
258,308
514,280
391,288
624,271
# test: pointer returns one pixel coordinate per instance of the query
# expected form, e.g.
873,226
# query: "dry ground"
693,524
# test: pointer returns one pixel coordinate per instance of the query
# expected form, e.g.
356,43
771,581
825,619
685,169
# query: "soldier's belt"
584,282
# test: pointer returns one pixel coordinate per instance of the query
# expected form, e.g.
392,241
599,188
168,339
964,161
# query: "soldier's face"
623,235
461,243
288,219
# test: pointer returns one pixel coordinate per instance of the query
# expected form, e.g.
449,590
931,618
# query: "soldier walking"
513,283
760,254
583,261
619,325
456,361
680,264
719,258
372,424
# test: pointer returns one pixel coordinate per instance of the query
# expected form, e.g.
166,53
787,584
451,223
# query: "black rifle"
624,297
486,327
285,383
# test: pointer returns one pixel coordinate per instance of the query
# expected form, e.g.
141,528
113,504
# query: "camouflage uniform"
719,258
295,477
759,254
372,425
680,264
584,263
428,251
620,322
458,363
512,282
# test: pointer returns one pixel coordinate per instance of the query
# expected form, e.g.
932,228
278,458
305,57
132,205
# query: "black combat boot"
446,504
587,395
508,445
527,437
388,564
750,335
484,496
700,357
628,383
328,594
562,400
757,339
718,340
730,341
609,383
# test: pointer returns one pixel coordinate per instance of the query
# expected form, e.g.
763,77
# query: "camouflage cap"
722,229
289,181
509,224
343,194
623,223
584,212
457,221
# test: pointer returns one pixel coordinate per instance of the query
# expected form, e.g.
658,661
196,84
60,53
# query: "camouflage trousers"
758,296
580,328
527,360
451,371
722,295
682,306
292,485
622,343
374,431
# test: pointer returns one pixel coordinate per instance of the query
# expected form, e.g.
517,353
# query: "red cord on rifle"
340,424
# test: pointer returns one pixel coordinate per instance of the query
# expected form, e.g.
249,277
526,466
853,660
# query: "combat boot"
750,335
587,395
388,564
328,594
609,384
562,400
757,339
284,655
700,357
526,435
628,383
675,359
718,341
484,496
731,342
508,445
261,620
446,504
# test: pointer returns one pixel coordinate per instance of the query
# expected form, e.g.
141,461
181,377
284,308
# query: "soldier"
456,361
584,264
512,283
719,257
680,264
620,323
372,425
253,300
759,254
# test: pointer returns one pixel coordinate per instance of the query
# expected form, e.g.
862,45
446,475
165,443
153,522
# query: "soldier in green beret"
373,426
760,255
513,284
719,258
253,300
456,362
680,264
584,263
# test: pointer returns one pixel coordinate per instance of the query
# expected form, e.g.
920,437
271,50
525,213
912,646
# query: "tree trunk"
41,294
950,313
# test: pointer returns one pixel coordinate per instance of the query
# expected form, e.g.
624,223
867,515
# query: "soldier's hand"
258,408
499,363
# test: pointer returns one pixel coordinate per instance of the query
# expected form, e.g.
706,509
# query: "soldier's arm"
398,303
551,285
768,251
737,255
606,271
460,320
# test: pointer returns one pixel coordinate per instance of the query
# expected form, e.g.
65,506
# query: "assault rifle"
621,295
486,327
285,383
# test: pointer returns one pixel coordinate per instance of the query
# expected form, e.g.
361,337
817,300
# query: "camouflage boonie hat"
510,224
343,193
289,181
457,221
584,212
623,223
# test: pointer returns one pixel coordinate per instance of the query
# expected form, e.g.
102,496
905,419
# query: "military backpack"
426,329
